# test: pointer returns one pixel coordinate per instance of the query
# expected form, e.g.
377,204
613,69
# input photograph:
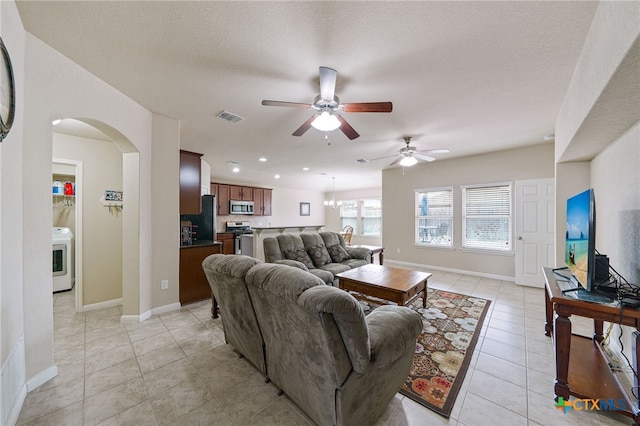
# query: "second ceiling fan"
327,105
409,155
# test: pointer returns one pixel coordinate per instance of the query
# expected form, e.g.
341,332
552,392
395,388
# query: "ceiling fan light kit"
408,161
326,122
327,105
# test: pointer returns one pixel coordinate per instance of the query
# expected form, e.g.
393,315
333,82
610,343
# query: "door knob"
519,237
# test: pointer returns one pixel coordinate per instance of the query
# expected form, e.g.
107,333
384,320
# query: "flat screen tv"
580,241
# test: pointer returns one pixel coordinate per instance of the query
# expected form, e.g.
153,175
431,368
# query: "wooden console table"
582,369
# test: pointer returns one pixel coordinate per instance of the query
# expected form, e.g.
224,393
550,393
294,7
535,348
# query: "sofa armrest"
359,253
393,331
293,263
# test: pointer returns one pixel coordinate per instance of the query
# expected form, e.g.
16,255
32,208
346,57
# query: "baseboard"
42,378
14,413
390,262
134,319
102,305
12,384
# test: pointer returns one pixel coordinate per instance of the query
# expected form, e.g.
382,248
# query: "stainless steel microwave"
240,207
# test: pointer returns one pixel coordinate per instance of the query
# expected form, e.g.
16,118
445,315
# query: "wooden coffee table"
401,286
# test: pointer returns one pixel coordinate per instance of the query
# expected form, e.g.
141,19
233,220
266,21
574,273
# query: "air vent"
362,161
227,116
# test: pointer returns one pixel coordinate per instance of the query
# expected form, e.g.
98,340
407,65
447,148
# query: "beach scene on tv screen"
577,238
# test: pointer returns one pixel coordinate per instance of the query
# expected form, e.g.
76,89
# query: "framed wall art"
305,209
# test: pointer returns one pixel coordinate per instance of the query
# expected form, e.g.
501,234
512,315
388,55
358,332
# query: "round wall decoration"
7,92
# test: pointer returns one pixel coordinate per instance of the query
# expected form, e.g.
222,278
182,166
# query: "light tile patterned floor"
174,369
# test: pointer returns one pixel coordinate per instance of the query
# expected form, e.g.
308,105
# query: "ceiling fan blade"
397,160
285,104
327,83
346,128
423,157
305,126
433,151
382,158
367,107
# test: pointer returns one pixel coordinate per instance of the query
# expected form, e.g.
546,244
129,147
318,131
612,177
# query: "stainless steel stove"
240,229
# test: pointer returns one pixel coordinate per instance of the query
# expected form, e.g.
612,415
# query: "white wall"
398,202
599,125
12,199
615,178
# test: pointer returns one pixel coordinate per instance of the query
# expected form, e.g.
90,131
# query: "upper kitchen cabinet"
241,193
221,192
189,182
261,202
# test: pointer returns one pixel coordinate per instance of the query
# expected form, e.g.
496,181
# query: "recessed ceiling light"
277,176
305,169
262,159
236,169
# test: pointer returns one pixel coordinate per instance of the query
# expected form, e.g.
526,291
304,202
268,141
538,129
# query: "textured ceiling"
472,77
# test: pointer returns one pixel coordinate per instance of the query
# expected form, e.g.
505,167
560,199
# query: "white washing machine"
62,259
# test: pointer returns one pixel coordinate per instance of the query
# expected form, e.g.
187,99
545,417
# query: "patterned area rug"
451,324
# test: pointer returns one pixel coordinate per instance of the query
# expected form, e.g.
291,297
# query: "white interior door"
535,207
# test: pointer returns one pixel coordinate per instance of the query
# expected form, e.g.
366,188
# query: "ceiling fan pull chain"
326,138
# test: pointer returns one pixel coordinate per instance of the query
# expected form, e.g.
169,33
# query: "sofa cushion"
300,255
319,255
354,263
337,253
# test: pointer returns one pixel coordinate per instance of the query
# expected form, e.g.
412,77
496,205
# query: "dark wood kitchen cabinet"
193,282
221,192
261,202
261,198
242,193
189,182
228,242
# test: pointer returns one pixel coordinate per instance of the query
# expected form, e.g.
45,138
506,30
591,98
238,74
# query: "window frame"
361,217
493,249
442,218
342,204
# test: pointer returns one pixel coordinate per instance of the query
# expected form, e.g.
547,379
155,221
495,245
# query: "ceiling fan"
409,155
327,105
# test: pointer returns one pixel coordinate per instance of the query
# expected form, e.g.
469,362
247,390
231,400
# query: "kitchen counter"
202,243
282,229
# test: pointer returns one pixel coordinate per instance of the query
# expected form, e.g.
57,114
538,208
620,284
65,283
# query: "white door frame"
77,233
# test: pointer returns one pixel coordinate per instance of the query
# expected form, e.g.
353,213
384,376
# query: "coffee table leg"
424,295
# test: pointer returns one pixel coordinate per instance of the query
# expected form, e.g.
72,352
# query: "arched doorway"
86,236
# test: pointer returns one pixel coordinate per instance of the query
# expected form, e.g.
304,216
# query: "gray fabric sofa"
338,366
324,254
226,278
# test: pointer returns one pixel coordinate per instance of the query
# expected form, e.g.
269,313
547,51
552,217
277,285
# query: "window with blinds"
371,217
434,217
349,215
487,217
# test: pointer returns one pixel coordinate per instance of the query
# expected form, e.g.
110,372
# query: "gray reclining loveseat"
338,366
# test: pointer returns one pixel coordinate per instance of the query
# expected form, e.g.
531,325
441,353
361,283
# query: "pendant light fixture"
332,202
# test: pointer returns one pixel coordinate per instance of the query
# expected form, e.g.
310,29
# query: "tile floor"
174,369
